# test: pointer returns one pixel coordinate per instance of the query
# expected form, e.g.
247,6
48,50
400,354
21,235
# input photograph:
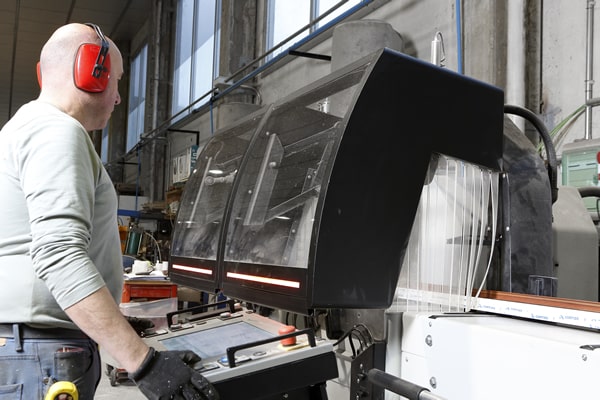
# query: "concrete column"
355,39
238,45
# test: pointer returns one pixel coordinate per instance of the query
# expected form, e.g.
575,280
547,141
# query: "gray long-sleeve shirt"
59,240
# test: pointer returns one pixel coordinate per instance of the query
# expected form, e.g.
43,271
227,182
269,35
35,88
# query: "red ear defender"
92,68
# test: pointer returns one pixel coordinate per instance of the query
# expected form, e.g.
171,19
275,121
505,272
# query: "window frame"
136,112
311,26
198,88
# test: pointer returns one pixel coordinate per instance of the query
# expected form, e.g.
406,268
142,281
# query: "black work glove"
169,375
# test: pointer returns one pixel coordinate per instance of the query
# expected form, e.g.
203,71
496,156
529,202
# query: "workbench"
148,289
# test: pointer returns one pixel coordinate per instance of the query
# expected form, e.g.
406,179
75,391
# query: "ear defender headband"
91,70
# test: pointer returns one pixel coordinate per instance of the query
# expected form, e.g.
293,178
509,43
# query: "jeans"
27,374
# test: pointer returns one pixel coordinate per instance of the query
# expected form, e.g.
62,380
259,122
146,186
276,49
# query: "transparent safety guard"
451,243
274,209
203,202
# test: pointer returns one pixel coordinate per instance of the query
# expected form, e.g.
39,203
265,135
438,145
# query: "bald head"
57,61
59,52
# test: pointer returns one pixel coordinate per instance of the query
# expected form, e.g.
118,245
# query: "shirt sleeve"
59,173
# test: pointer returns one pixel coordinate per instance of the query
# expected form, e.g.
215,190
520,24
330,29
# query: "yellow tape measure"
62,387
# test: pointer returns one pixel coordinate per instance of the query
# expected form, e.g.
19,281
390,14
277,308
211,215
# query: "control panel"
246,355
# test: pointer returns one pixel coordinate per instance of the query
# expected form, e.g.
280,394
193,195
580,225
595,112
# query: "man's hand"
169,375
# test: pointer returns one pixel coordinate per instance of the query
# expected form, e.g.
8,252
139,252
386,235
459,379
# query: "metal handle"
231,350
229,302
400,386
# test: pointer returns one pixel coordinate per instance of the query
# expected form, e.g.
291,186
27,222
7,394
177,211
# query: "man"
60,261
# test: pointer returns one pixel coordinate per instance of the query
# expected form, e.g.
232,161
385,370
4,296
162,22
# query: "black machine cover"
309,202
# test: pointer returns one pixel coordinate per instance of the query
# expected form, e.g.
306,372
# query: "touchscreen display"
215,341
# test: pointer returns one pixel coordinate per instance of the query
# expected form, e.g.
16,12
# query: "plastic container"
155,310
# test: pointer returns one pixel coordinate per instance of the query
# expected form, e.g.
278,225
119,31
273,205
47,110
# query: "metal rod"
309,55
589,65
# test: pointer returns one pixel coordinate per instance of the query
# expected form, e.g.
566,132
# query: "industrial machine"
291,206
393,200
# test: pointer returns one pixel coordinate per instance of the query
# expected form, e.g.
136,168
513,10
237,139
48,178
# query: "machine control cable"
545,136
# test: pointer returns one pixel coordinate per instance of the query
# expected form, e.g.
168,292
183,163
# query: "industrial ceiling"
25,25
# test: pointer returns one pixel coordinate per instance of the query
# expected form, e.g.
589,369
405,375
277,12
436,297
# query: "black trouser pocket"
70,363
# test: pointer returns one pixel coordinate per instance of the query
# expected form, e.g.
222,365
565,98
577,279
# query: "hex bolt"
433,382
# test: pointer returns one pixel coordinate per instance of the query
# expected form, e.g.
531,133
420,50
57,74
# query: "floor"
122,390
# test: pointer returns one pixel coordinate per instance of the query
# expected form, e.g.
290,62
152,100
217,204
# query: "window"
137,98
285,18
104,145
195,57
325,5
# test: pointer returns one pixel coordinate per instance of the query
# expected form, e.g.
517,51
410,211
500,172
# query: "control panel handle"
229,302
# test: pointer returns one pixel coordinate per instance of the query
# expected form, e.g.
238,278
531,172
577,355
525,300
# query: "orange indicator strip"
192,269
264,279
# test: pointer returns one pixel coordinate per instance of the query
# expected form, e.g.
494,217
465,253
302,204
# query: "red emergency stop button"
284,330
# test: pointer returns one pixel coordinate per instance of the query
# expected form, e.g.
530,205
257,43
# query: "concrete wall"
536,54
563,63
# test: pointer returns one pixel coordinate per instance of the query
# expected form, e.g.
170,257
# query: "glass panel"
183,55
137,97
274,209
203,49
284,19
104,146
194,53
452,237
324,6
203,202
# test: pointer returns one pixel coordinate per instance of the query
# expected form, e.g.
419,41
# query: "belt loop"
17,337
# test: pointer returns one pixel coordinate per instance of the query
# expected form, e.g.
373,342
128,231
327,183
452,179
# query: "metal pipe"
156,81
437,50
459,28
589,64
515,56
